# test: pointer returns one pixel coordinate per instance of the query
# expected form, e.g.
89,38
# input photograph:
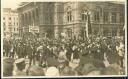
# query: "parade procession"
77,49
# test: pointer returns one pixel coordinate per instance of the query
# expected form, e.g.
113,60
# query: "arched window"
98,13
97,16
122,18
84,15
113,17
69,14
105,17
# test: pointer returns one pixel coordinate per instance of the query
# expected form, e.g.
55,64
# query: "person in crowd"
36,71
20,67
52,71
68,71
8,66
84,56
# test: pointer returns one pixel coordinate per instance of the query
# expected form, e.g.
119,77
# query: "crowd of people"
63,57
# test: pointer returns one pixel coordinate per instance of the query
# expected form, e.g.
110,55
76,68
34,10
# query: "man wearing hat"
8,66
52,71
36,71
20,66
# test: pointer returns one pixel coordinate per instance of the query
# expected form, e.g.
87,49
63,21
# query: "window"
10,29
4,29
69,16
4,24
9,18
3,18
9,23
14,23
105,16
97,16
17,29
113,17
14,29
121,18
17,23
84,16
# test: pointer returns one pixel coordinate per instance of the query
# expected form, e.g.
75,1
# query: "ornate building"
73,18
10,23
36,17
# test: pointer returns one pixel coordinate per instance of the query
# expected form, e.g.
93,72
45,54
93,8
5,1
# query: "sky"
10,4
13,4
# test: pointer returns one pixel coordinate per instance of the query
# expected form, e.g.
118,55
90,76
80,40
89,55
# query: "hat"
8,60
90,60
68,71
36,71
19,60
87,68
95,72
52,61
109,71
52,71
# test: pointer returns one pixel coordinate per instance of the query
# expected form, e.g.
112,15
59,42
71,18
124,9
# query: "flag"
88,26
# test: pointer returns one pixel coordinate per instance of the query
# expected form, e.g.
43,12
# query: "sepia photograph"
63,38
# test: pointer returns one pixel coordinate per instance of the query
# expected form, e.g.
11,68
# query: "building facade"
10,23
36,15
73,19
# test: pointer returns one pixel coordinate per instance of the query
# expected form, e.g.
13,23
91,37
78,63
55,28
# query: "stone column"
20,24
31,22
23,20
110,17
33,18
29,18
26,19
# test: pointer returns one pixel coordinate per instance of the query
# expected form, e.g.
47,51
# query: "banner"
34,29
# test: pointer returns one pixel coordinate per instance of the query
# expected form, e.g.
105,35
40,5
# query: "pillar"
118,18
110,17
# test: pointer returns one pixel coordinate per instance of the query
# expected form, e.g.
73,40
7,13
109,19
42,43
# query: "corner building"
70,18
10,23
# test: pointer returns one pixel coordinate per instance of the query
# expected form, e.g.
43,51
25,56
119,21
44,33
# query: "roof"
23,4
9,10
117,2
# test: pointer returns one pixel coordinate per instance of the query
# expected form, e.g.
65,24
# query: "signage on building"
34,29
